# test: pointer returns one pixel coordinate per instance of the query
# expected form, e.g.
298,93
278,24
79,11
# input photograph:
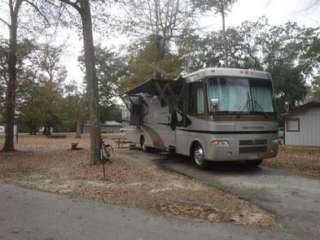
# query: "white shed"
302,126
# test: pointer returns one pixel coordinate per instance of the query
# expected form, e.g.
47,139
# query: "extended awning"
150,87
167,90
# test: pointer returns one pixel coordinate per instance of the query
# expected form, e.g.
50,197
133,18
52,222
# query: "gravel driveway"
294,199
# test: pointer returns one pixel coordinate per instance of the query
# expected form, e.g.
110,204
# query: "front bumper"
235,151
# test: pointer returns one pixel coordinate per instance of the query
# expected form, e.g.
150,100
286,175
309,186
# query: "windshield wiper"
246,105
256,104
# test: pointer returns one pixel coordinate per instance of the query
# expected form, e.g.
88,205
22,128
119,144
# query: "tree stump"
74,147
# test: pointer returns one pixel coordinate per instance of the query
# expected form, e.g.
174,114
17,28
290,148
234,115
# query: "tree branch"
16,7
38,10
72,4
5,22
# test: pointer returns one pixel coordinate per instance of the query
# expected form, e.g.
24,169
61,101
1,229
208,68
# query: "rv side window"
196,99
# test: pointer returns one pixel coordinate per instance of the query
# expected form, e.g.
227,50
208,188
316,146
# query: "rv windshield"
241,95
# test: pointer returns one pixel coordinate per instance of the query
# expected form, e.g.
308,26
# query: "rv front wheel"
197,156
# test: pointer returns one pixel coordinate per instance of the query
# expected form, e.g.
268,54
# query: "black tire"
197,156
254,163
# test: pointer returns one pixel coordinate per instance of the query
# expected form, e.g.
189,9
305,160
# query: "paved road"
294,199
32,215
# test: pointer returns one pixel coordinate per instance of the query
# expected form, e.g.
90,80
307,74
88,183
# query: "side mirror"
174,120
187,122
214,103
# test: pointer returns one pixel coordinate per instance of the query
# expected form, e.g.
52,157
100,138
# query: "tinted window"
196,99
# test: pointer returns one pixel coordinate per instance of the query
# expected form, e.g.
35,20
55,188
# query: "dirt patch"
298,160
133,179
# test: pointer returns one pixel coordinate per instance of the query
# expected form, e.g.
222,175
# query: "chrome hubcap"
199,156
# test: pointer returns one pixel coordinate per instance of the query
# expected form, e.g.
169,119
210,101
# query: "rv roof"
232,72
150,86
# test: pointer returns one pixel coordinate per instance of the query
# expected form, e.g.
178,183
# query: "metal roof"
303,108
149,86
232,72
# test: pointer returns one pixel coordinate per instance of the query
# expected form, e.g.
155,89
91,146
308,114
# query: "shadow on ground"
217,168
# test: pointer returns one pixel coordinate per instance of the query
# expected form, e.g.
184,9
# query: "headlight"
221,143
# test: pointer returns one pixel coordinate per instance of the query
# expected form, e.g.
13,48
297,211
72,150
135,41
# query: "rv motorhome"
215,114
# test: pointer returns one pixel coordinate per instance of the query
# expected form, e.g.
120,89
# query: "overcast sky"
277,11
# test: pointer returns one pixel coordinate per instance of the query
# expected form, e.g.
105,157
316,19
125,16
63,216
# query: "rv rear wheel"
253,163
197,156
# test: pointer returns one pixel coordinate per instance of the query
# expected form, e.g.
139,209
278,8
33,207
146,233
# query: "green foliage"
111,113
217,5
41,106
243,43
74,108
24,50
221,7
287,57
316,89
289,52
40,93
157,24
110,68
146,64
44,100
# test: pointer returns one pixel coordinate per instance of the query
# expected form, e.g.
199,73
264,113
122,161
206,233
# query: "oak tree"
83,8
221,7
14,8
161,21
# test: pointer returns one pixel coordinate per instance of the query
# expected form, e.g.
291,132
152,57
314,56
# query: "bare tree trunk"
47,130
159,57
157,73
12,72
92,84
225,45
78,129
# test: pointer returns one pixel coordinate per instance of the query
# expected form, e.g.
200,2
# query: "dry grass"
49,165
298,160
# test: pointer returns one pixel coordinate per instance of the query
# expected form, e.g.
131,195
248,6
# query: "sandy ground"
48,165
301,161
